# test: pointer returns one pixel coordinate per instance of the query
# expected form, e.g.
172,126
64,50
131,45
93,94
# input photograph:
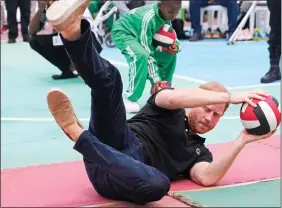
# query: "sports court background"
29,135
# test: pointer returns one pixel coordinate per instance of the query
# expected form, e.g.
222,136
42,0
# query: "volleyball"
262,119
165,37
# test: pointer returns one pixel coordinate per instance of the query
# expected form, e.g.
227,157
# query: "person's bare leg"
74,131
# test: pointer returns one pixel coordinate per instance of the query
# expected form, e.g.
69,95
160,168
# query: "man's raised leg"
108,118
113,174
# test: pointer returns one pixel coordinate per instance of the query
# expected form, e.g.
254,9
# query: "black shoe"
196,37
272,75
65,75
12,40
26,38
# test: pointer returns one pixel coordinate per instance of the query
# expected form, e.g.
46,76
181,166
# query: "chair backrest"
262,17
222,21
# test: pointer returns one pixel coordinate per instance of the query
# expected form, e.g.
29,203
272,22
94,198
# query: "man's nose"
208,117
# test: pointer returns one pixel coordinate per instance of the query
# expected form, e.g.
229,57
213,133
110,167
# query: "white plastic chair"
222,19
260,16
258,11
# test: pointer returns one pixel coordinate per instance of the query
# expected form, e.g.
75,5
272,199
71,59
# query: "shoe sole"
61,15
50,95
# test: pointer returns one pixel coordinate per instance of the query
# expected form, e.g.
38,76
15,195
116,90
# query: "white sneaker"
63,13
248,35
241,36
131,107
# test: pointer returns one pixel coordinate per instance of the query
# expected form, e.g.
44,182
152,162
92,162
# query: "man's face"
204,119
169,11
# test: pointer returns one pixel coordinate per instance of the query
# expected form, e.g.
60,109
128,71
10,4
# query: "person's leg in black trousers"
24,6
274,42
56,55
112,153
11,7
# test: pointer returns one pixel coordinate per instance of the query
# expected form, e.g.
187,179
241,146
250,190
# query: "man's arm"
208,174
36,22
189,98
196,97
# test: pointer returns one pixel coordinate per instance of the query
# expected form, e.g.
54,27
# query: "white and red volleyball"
262,119
165,37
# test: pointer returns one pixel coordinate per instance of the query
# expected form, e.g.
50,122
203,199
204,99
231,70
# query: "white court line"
120,63
111,204
212,43
254,86
189,79
35,119
186,78
18,42
229,186
81,119
182,42
199,81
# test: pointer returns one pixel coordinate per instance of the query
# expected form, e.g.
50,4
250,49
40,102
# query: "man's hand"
246,97
246,138
159,85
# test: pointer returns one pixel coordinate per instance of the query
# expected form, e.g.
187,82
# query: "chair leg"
250,15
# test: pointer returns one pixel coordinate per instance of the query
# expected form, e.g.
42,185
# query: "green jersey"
94,7
142,23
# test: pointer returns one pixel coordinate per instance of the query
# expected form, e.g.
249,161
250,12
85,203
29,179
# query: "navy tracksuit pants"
111,152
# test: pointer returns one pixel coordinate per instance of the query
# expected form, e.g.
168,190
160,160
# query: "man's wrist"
229,97
223,97
240,142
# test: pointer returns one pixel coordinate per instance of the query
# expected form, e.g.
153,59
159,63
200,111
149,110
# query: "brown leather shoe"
63,13
61,108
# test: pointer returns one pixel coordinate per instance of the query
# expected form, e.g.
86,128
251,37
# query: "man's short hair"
216,87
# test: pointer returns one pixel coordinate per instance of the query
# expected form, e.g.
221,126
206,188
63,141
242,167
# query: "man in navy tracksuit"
135,160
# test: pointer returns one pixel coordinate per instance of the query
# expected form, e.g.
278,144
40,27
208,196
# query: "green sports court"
40,167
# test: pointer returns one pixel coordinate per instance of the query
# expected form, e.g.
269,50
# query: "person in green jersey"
132,34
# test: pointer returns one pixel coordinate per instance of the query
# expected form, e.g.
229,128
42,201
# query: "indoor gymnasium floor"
40,168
